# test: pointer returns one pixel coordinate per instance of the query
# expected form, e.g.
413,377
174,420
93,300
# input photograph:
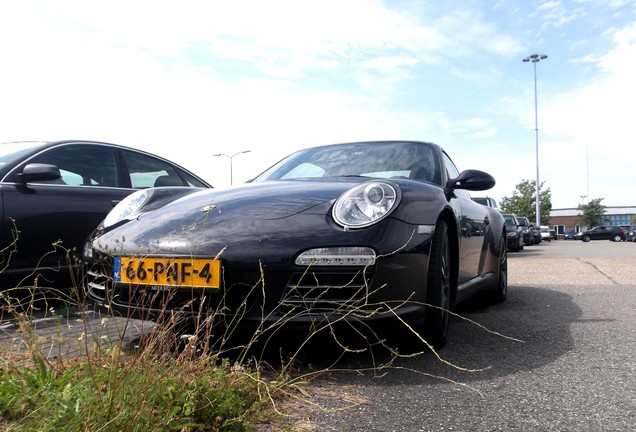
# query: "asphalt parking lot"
562,357
571,304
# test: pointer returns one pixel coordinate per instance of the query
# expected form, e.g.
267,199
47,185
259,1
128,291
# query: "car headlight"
127,208
365,204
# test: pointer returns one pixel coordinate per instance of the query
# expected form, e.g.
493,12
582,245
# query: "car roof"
39,146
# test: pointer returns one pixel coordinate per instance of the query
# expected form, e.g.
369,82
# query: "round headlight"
365,204
127,208
374,195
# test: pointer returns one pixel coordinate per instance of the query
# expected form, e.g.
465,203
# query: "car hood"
234,215
259,220
255,201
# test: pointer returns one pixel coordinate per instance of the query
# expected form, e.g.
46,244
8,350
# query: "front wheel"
586,238
438,289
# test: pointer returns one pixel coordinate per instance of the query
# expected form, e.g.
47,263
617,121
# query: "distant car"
536,233
54,194
545,233
514,233
604,232
528,235
367,233
569,235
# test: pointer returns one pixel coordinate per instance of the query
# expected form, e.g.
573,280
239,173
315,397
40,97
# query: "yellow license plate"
174,272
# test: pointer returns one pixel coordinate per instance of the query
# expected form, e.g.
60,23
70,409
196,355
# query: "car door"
472,250
475,216
51,219
600,233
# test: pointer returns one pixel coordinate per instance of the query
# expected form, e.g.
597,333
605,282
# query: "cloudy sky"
190,79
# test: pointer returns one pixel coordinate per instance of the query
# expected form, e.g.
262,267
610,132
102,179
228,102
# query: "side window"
452,172
146,171
451,169
82,164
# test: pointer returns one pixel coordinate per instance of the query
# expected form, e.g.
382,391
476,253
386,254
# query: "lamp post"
534,59
231,158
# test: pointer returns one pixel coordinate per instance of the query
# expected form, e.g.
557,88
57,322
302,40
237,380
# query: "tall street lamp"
231,158
534,59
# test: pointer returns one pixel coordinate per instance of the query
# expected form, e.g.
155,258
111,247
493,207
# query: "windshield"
373,159
10,151
510,220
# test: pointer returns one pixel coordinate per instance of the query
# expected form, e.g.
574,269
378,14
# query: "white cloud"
191,79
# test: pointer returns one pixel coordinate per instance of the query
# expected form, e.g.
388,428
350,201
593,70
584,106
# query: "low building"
562,220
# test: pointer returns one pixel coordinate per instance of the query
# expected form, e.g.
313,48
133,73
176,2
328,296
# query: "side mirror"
39,172
472,180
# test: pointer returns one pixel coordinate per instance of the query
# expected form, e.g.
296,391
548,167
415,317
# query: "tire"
501,290
438,289
586,238
617,238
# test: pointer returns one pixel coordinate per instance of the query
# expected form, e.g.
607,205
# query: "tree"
523,201
592,213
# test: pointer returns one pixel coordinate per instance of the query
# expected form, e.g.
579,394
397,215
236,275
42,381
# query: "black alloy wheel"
438,289
586,238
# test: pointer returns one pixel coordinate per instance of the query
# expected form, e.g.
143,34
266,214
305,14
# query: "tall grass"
74,377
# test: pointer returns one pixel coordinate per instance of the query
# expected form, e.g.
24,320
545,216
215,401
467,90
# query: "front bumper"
276,292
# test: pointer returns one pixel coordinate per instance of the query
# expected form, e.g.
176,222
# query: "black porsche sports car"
367,232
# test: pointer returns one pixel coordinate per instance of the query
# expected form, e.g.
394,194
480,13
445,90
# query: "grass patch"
109,388
141,393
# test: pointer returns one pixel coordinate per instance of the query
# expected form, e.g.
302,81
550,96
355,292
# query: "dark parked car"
604,232
569,235
54,194
361,233
536,233
514,233
528,234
